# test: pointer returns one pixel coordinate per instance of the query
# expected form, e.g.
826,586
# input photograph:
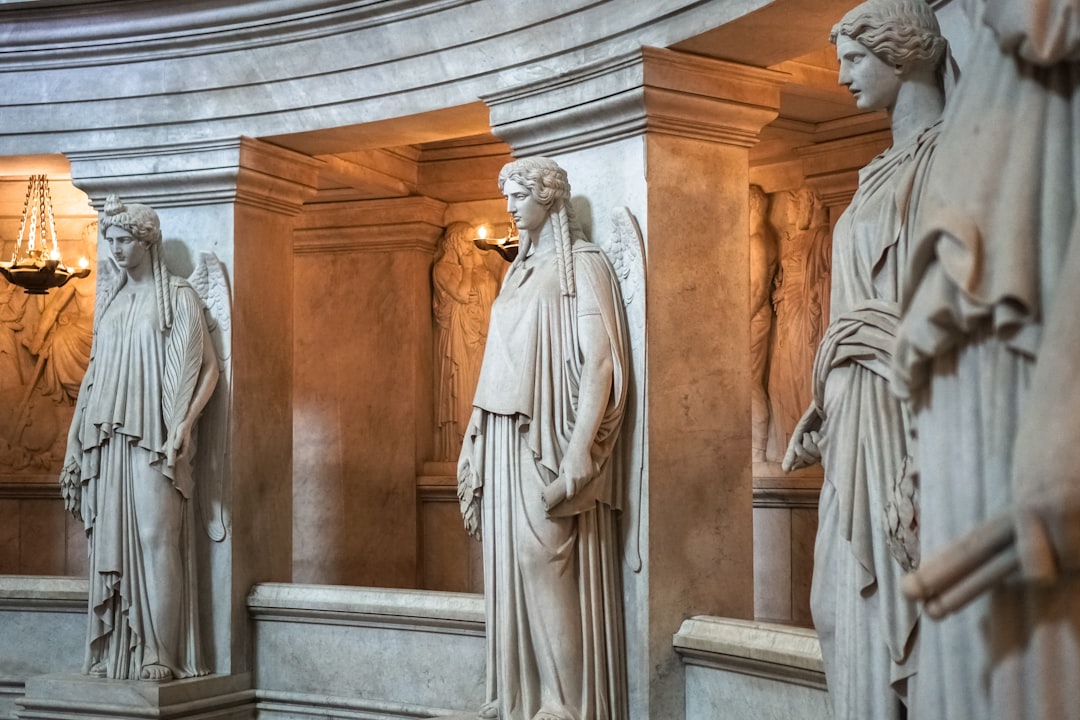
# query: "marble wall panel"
362,373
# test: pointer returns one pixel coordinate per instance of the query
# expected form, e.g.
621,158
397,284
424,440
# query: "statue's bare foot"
156,673
98,670
489,711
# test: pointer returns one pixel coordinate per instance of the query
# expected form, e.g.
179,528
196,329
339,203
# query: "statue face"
874,82
129,252
528,214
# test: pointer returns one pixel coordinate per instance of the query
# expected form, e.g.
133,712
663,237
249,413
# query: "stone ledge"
78,696
292,705
778,652
412,609
43,593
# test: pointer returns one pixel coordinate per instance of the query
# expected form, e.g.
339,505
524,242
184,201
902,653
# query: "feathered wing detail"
183,360
211,282
626,249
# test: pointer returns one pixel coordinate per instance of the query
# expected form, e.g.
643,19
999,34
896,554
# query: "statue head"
456,241
548,185
140,220
143,223
546,181
899,32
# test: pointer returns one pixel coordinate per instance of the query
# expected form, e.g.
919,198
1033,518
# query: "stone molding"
777,652
72,696
43,594
647,90
396,225
27,487
415,610
240,170
275,704
120,74
773,488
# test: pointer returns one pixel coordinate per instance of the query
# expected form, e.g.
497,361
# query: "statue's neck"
918,106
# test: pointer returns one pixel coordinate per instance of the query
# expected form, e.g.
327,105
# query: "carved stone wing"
211,281
626,249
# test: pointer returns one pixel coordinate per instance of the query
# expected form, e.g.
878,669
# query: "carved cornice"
239,170
648,90
394,225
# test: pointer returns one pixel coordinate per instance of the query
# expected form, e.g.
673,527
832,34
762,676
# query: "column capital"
649,90
238,170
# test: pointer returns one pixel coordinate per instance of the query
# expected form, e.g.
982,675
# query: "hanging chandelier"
36,265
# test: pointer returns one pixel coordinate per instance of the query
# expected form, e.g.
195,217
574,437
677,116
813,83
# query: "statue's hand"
577,468
181,439
803,450
1047,523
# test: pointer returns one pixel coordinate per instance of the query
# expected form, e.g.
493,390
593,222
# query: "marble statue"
536,474
128,468
801,302
987,350
892,57
763,264
463,288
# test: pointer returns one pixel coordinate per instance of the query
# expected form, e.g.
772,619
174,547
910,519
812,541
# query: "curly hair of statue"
548,184
144,225
898,31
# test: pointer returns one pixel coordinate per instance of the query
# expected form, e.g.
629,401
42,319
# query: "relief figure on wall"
463,288
44,351
128,469
892,57
763,264
989,351
536,475
801,302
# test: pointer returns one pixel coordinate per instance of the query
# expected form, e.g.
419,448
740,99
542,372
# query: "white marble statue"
763,265
536,472
988,351
891,57
463,288
128,467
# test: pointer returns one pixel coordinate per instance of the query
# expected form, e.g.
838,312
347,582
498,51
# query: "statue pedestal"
67,696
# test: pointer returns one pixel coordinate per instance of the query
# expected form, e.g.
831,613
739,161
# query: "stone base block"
79,697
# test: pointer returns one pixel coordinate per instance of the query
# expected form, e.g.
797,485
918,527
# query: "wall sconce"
507,246
36,266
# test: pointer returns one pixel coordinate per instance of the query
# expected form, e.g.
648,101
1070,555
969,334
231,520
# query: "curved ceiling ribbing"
87,76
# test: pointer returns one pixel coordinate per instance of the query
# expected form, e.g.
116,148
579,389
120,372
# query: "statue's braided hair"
144,225
549,186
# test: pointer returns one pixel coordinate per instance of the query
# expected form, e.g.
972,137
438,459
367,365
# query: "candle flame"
482,232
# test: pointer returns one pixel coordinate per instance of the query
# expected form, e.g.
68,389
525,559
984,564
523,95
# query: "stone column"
235,198
667,135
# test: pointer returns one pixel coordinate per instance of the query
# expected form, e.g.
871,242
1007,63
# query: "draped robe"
987,349
552,580
867,628
136,391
